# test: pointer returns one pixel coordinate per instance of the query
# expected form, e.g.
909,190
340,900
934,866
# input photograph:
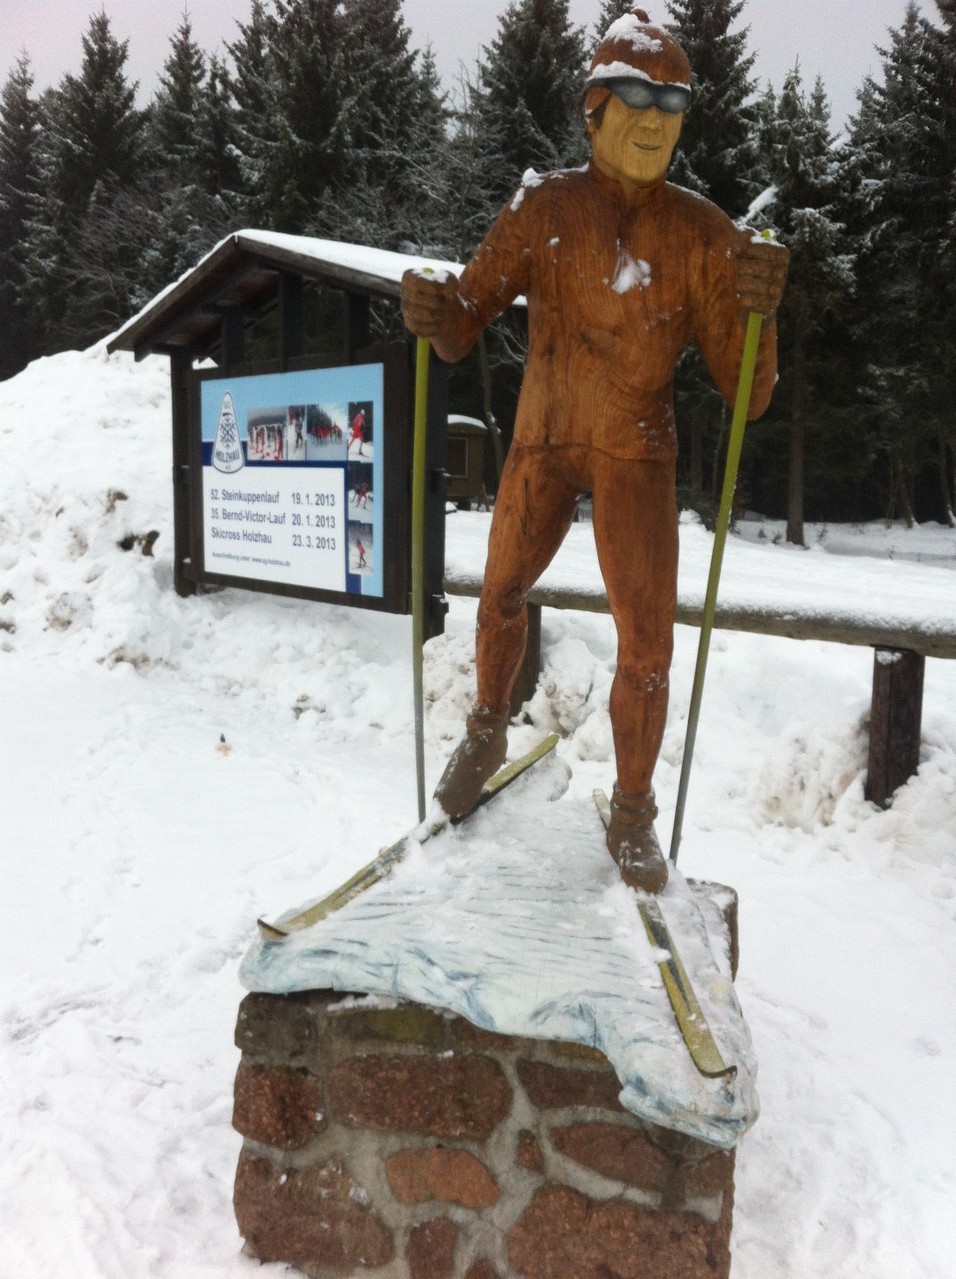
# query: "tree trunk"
795,483
904,493
898,493
946,479
798,408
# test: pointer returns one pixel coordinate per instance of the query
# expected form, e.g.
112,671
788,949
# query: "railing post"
895,718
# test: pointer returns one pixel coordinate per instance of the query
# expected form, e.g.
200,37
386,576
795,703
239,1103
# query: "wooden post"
895,717
180,365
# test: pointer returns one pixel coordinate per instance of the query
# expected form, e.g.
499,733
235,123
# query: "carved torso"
616,290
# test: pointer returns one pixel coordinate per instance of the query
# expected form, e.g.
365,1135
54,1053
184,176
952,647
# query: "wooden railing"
898,663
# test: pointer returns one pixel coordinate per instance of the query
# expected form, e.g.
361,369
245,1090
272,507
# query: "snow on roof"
377,271
357,267
380,265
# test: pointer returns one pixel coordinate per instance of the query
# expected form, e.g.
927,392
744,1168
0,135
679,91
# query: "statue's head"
638,89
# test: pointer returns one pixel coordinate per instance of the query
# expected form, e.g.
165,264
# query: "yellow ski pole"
745,384
422,357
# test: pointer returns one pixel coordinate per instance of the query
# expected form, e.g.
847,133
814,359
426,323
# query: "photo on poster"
267,435
361,549
295,433
326,433
361,488
361,431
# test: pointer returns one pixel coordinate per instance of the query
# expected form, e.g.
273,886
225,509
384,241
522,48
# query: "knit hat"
633,49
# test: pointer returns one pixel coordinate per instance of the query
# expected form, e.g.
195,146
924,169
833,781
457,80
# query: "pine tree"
383,75
943,311
305,144
177,106
531,82
252,93
717,152
800,161
19,192
217,147
901,205
189,200
100,133
397,128
91,151
429,149
458,180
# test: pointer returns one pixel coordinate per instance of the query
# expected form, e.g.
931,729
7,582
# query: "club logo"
227,454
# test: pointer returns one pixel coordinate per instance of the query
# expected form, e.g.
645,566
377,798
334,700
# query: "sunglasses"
641,94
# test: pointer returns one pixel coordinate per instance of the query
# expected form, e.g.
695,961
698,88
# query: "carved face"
634,146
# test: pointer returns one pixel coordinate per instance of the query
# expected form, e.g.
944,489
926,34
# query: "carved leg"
534,509
539,492
635,527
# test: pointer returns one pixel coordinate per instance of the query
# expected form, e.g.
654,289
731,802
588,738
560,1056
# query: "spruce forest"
323,120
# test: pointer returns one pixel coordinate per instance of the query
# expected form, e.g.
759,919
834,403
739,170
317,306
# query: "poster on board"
293,478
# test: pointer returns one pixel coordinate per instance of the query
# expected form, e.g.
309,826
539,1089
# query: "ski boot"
477,757
633,843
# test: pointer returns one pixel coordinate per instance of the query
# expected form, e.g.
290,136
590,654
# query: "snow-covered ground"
171,768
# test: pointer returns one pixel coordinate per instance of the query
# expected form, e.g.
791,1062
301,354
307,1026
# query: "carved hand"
430,303
761,272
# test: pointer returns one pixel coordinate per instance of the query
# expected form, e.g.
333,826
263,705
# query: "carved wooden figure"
622,271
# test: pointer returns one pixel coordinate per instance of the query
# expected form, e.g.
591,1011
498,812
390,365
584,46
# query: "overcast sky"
831,38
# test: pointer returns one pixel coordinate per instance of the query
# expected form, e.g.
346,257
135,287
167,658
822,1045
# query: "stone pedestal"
398,1141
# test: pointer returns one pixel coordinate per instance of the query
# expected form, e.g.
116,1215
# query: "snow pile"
139,846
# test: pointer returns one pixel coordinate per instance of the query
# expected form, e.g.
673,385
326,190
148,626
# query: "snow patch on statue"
624,71
530,178
227,454
630,272
632,29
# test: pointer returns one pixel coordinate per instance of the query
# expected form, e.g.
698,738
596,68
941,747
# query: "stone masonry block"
279,1028
313,1216
407,1024
482,1270
711,1176
579,1052
565,1235
459,1097
436,1173
465,1035
622,1154
278,1106
430,1251
554,1087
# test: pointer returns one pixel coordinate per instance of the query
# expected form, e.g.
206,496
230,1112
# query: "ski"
389,858
687,1010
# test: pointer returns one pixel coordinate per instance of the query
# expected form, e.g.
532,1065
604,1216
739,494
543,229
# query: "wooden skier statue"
622,271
